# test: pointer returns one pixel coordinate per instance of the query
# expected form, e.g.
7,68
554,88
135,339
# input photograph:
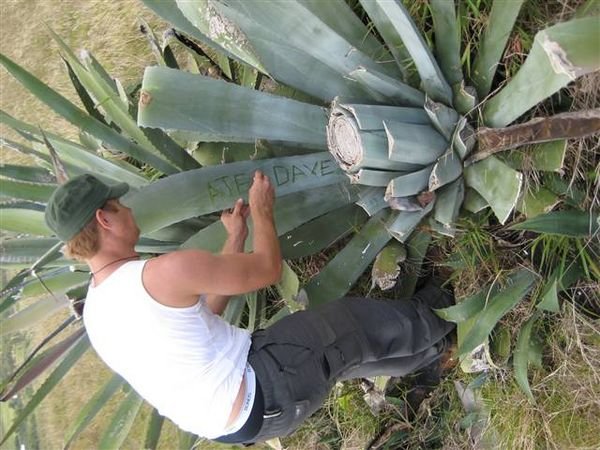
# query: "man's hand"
261,196
234,221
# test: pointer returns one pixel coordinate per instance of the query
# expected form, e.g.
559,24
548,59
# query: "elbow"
275,272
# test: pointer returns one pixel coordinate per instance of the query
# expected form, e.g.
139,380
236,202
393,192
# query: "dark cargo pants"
298,359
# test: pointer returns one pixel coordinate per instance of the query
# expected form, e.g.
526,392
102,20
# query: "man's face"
123,219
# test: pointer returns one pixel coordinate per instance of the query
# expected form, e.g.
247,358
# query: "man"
156,321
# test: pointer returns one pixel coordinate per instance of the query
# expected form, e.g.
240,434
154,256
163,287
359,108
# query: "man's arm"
178,278
234,244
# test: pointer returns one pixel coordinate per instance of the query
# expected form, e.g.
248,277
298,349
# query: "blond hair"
86,243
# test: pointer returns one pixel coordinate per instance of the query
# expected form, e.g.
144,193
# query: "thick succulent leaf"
106,93
549,157
560,280
448,202
397,20
447,169
58,281
468,307
571,194
81,119
537,200
338,16
372,200
498,305
33,314
386,89
402,225
288,288
409,184
75,155
372,117
497,183
320,233
443,118
522,356
53,379
465,98
338,276
155,424
120,425
24,220
290,212
227,111
560,54
40,158
311,34
463,138
411,143
92,408
499,26
27,174
473,201
549,296
26,190
386,270
27,251
371,177
210,189
447,39
35,364
416,248
572,223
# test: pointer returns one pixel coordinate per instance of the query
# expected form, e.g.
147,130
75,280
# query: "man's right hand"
261,196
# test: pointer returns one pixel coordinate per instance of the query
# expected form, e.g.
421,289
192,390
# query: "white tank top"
186,362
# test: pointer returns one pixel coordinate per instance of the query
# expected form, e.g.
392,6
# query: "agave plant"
370,132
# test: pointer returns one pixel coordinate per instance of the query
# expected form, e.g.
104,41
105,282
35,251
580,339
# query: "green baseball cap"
73,204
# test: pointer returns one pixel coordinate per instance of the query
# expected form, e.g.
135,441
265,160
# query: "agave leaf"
549,296
397,20
497,183
213,153
290,212
33,314
443,118
447,169
498,305
338,276
227,112
26,190
387,89
34,365
60,171
288,288
416,247
154,429
447,39
108,95
411,143
537,200
463,138
372,200
589,8
473,201
549,156
385,270
377,178
41,159
338,16
468,307
522,356
311,34
235,309
571,194
27,174
162,54
404,222
26,251
185,440
215,188
500,24
563,223
92,408
448,202
560,54
57,281
74,154
82,120
122,421
24,220
465,98
409,184
53,379
372,117
322,232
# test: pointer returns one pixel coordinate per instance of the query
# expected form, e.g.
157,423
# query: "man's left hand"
234,221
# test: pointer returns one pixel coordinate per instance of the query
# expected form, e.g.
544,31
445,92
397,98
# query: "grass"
566,388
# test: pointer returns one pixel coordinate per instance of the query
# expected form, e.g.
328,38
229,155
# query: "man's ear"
102,219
